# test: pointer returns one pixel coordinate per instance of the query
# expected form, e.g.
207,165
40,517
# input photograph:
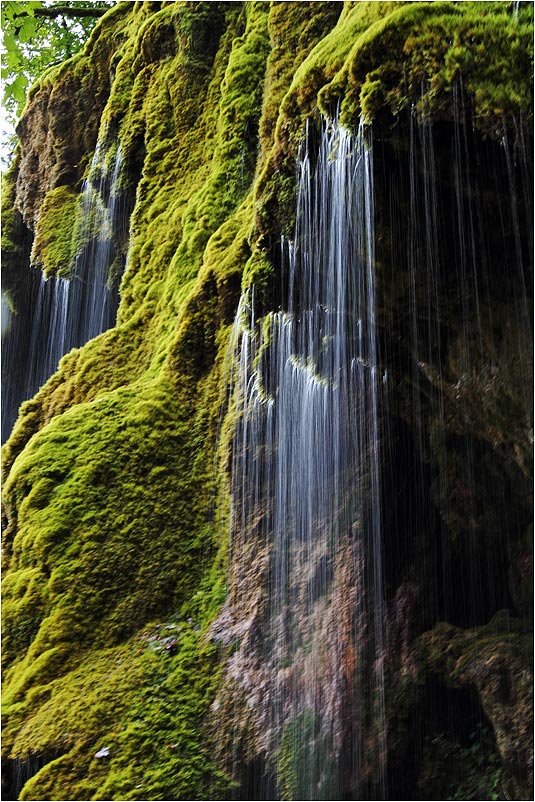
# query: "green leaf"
27,29
33,43
17,88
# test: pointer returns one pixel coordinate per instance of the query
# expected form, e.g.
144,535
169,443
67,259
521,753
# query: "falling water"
66,312
306,476
381,455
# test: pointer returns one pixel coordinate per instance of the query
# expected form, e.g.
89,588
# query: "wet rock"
496,661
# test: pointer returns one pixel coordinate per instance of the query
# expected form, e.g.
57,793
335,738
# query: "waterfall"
64,312
305,477
372,463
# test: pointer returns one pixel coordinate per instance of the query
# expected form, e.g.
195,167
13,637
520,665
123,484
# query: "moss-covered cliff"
120,612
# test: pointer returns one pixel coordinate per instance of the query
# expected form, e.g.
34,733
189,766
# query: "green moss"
294,29
144,701
9,178
384,59
131,418
53,245
16,245
83,576
432,49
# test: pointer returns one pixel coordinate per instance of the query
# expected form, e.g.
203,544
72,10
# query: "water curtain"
74,310
67,311
305,475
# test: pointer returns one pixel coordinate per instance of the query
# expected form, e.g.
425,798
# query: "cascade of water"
305,479
68,311
93,297
321,449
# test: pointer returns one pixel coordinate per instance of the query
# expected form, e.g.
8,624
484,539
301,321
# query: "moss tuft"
54,243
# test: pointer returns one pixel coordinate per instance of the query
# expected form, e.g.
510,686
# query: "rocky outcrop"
496,661
58,130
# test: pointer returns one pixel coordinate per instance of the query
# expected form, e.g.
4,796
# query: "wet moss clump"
142,704
438,60
53,245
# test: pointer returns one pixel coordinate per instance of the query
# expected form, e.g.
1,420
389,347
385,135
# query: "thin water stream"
64,312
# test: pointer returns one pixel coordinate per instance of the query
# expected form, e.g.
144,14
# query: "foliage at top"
37,35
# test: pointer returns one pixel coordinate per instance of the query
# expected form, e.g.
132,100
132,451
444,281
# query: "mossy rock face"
438,60
58,129
496,661
16,244
53,246
383,60
116,553
125,723
85,454
85,575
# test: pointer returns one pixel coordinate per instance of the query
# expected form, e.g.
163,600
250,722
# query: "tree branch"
64,11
